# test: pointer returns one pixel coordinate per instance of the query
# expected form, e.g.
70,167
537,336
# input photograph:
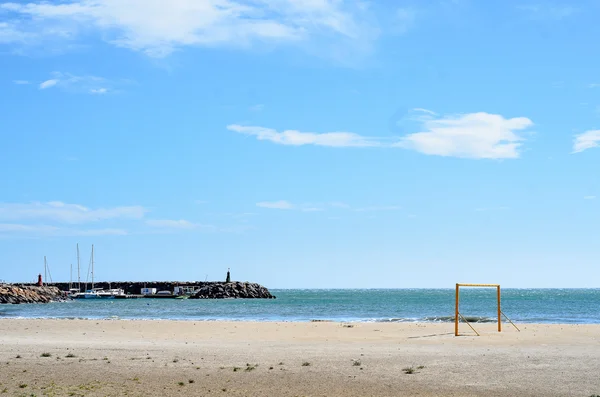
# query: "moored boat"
166,295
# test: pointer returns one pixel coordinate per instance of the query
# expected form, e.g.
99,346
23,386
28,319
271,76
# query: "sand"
164,358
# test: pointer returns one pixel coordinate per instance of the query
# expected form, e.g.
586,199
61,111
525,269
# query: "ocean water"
576,306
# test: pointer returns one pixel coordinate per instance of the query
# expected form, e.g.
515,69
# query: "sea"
564,306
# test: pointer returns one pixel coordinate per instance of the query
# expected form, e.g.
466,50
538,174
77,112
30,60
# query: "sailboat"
98,293
75,292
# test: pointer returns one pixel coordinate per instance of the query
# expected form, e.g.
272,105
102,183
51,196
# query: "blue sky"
316,143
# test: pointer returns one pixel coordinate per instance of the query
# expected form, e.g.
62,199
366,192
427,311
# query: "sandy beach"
163,358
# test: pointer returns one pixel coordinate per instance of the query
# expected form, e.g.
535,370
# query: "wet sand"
164,358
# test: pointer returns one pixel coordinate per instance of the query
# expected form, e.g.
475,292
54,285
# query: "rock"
14,294
235,290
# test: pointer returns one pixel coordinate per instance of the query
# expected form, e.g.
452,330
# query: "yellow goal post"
457,314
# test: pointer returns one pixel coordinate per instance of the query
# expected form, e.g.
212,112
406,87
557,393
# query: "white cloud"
379,208
548,12
159,27
48,84
66,213
297,138
404,20
10,33
587,140
316,207
427,111
79,84
474,135
594,85
171,224
20,230
589,197
280,205
339,204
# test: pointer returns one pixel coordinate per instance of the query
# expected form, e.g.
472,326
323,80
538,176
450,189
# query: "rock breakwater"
237,290
29,294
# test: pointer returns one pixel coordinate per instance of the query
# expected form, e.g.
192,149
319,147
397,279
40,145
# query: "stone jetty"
204,289
16,294
238,290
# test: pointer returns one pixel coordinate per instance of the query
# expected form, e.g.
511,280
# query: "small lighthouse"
228,279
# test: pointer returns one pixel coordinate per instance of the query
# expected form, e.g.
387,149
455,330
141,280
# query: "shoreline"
293,321
170,357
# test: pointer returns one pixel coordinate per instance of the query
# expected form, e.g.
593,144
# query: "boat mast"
78,270
92,266
45,270
71,278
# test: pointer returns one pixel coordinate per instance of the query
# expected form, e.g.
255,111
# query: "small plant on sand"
46,355
70,355
235,369
281,363
420,367
250,367
181,384
175,360
4,391
356,363
409,370
306,364
18,356
191,381
105,358
23,385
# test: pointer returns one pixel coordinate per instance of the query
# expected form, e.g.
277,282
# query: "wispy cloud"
594,85
298,138
589,197
315,207
21,82
158,28
79,84
474,135
171,224
99,91
404,20
378,208
48,84
548,12
66,213
279,205
587,140
13,229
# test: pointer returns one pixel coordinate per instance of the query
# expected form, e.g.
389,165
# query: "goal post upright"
457,314
499,312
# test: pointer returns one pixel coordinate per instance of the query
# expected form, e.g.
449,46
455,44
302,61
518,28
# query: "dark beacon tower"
228,280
